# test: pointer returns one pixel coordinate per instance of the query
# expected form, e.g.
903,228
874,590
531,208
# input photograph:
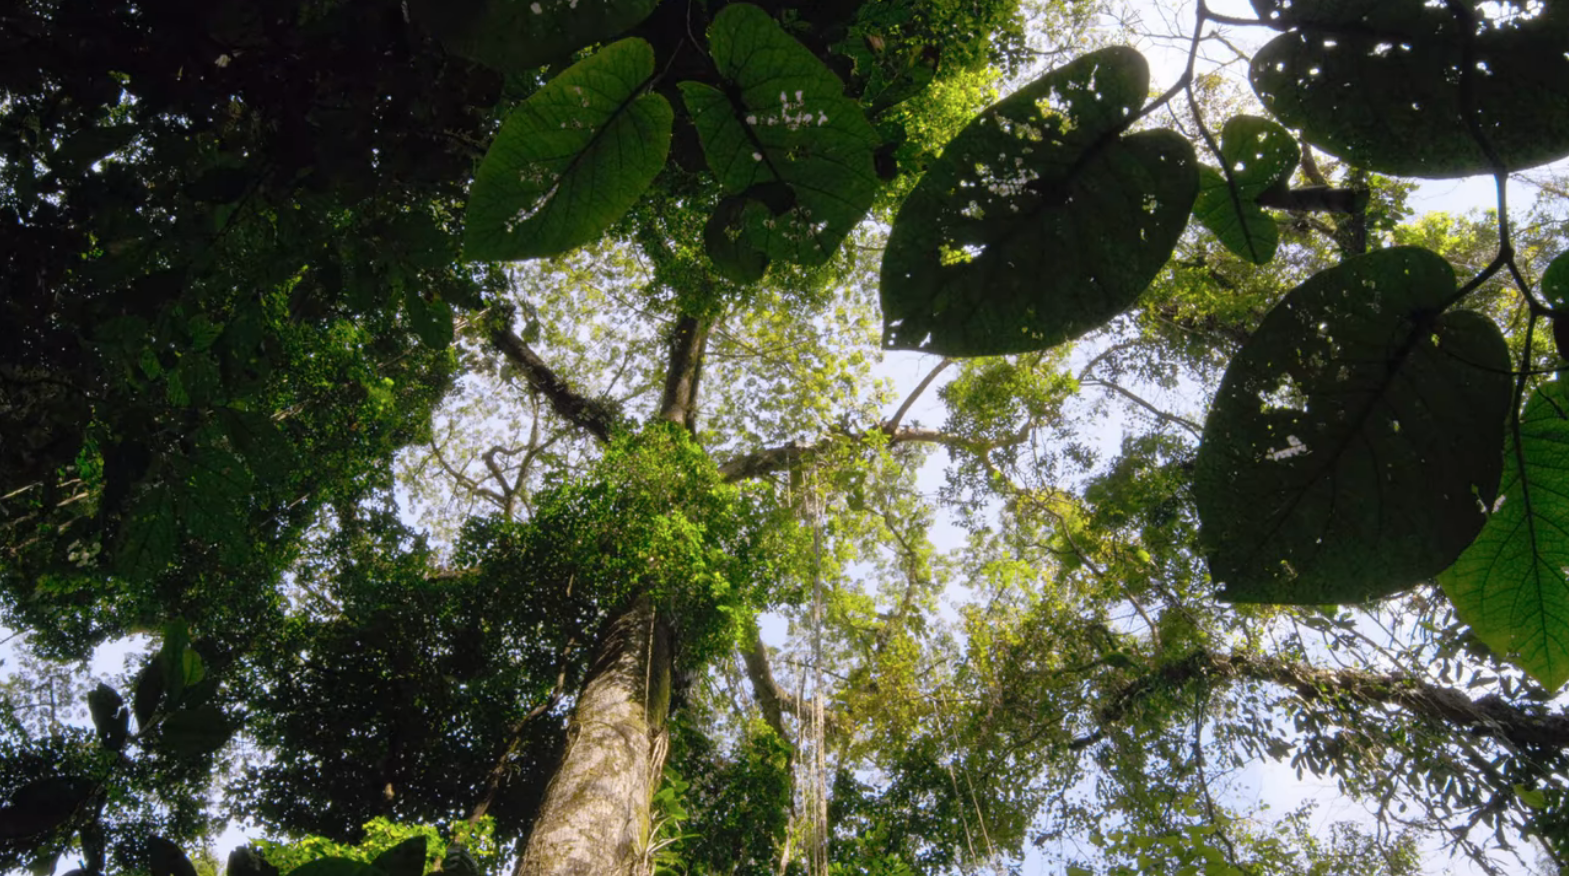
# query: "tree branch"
587,414
774,459
1489,716
892,425
771,698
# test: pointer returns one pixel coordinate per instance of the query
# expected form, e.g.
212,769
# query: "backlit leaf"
1042,220
1512,584
1380,85
784,140
404,859
1355,438
147,535
571,159
518,35
1259,155
166,859
43,805
196,731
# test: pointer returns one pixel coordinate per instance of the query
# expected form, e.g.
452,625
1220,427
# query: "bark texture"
594,819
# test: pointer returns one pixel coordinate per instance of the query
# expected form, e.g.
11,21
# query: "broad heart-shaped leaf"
1259,155
1041,221
519,35
1355,437
1555,281
166,859
246,861
785,140
571,159
1512,584
197,731
1379,85
404,859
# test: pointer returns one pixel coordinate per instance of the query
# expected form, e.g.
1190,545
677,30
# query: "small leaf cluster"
654,518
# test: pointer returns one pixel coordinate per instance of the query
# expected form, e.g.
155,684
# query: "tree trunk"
594,820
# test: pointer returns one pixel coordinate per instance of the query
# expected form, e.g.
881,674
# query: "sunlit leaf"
571,159
1356,437
1042,220
1512,585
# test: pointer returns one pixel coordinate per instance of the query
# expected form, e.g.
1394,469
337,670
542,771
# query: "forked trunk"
594,820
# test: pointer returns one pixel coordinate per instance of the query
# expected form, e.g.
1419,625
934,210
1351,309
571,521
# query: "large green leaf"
404,859
792,154
1355,437
571,159
148,534
1512,584
246,861
1379,85
1259,155
167,859
518,35
1042,220
197,731
43,805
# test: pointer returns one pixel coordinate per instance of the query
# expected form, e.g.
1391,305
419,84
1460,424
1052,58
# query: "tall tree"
235,304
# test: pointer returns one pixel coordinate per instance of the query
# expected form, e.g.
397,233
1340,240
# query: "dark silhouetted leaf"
1355,438
149,692
722,239
1512,584
166,859
195,731
1260,155
404,859
1041,221
334,867
110,716
431,320
1379,85
246,861
41,806
785,139
571,159
520,35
